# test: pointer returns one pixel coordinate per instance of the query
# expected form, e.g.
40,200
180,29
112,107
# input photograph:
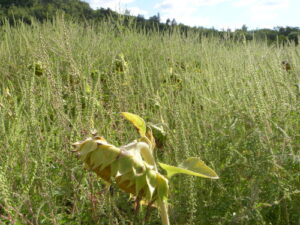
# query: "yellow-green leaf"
137,121
86,147
151,183
140,183
88,89
150,138
125,165
192,166
162,187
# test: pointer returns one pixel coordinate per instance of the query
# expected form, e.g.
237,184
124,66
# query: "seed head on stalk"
133,167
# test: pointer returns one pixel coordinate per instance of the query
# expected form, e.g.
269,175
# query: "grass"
231,104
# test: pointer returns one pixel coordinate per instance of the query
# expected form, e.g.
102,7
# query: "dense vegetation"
14,10
231,104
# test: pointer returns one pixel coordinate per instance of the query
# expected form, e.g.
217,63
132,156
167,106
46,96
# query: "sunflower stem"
163,205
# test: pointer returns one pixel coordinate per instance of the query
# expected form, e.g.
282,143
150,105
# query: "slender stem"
147,155
163,205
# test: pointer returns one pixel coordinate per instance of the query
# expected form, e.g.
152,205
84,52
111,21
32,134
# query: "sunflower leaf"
192,166
137,121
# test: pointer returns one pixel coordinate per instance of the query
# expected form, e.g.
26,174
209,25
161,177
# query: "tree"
244,28
293,36
173,23
22,3
155,18
168,22
127,12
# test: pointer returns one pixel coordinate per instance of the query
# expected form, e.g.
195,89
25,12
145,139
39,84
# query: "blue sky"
220,14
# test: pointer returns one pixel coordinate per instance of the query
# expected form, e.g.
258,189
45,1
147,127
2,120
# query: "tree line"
41,10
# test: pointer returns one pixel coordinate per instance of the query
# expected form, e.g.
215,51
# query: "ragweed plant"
133,167
120,64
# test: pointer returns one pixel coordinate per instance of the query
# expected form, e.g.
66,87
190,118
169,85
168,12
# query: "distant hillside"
25,10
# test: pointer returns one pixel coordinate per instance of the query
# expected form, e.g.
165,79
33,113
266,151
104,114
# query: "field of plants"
231,104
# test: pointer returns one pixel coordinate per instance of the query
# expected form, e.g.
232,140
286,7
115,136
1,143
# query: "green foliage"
237,109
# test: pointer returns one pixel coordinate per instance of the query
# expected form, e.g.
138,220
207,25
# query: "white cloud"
263,12
271,4
185,11
168,5
243,3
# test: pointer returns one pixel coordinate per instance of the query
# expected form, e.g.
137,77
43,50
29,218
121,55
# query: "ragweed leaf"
137,121
192,166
